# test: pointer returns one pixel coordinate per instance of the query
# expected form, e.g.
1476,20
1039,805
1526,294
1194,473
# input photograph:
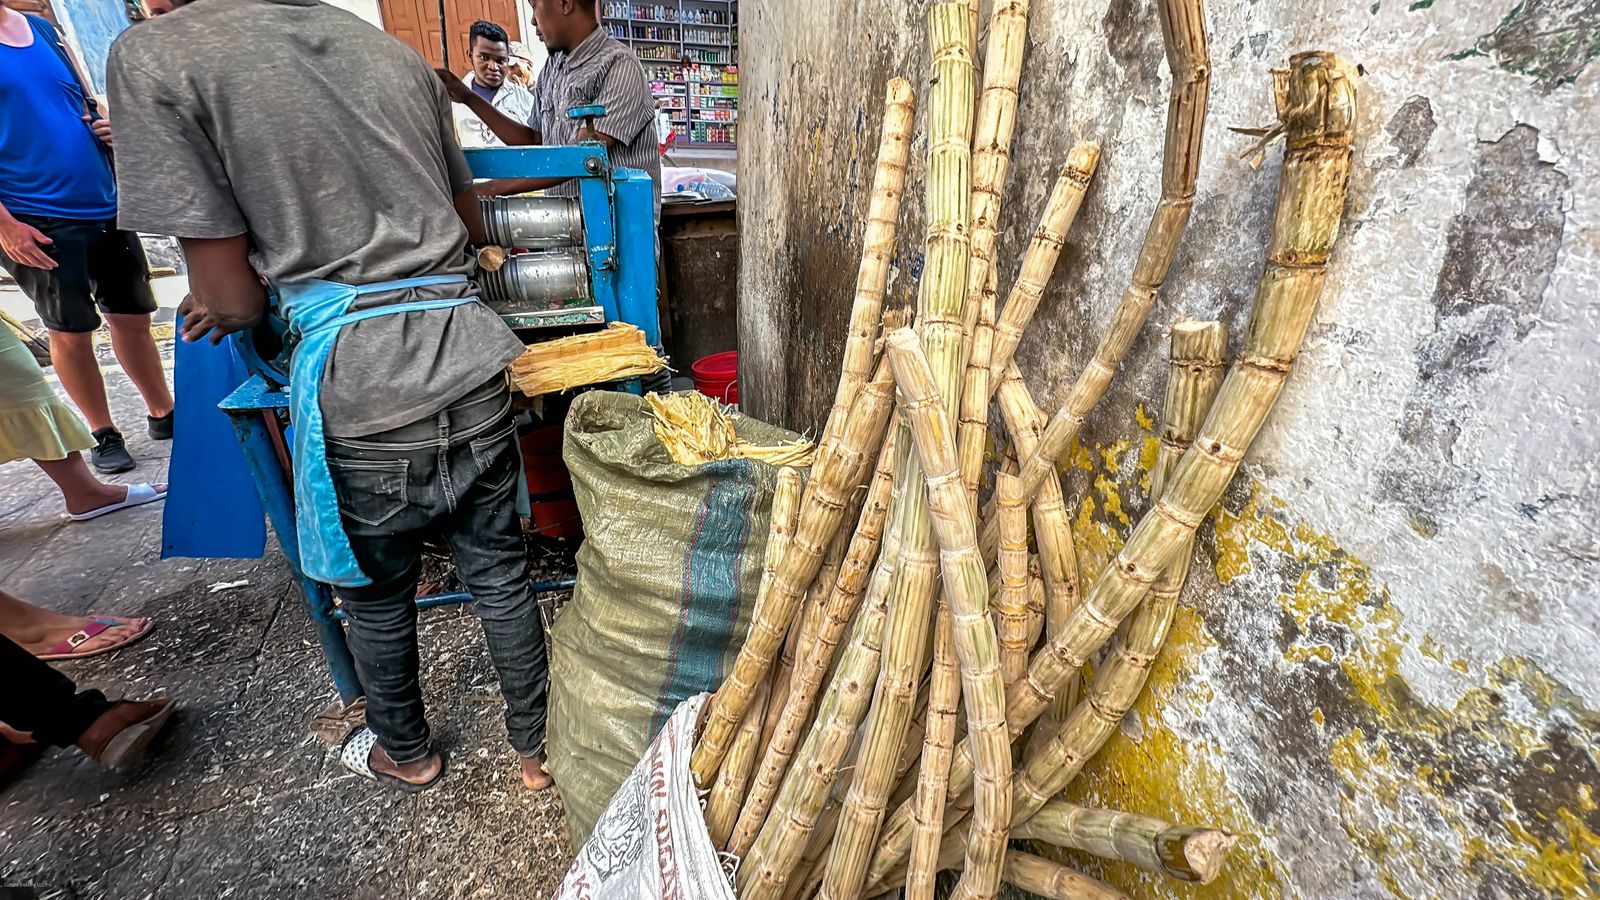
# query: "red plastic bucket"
717,376
541,462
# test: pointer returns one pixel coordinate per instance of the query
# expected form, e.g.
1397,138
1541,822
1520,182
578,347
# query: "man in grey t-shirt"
265,167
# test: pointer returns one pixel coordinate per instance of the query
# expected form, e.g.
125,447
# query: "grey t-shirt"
332,145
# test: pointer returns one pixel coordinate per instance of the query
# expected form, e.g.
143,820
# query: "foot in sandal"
362,755
85,636
125,497
122,734
50,635
534,776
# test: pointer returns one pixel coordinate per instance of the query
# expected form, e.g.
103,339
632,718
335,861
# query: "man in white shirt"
491,53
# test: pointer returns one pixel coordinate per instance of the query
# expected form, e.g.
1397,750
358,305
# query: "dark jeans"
39,699
453,476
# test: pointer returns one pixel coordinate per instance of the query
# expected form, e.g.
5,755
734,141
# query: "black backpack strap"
48,33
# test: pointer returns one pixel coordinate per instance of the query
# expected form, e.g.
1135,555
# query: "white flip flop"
138,495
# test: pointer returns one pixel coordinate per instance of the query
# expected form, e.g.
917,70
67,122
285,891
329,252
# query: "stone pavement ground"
238,799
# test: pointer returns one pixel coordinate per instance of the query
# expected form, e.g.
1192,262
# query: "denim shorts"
98,265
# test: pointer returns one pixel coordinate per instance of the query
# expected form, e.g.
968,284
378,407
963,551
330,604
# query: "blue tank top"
50,162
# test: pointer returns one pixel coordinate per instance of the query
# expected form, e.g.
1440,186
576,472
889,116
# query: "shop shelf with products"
689,49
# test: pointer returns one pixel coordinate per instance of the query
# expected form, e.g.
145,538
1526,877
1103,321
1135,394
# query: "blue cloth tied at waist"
316,310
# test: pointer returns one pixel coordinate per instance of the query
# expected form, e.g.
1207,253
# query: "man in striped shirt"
587,66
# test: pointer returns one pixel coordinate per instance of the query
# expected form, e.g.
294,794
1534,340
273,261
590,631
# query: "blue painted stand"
256,410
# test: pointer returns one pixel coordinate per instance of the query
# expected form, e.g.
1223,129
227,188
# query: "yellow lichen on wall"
1162,774
1491,789
1380,780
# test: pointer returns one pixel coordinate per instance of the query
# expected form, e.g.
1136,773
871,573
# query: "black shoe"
160,427
110,455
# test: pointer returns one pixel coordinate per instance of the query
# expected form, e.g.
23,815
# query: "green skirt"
34,423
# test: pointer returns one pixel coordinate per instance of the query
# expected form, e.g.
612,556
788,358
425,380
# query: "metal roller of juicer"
547,283
542,290
532,223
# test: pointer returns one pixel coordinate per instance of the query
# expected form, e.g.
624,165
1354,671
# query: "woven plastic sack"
667,579
651,843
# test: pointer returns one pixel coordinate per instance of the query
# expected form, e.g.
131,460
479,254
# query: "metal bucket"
534,281
532,223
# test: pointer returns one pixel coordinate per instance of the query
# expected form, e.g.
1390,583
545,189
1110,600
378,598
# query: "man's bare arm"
514,133
225,293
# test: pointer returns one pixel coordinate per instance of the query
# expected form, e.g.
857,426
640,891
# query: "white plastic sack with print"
651,843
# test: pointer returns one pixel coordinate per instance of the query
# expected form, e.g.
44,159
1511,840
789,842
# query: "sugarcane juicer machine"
572,263
584,260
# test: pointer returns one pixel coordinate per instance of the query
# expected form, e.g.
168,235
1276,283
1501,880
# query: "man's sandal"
356,755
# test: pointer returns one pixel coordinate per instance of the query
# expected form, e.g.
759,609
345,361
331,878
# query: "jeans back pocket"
371,491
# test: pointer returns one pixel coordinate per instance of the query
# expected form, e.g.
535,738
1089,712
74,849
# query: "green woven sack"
667,579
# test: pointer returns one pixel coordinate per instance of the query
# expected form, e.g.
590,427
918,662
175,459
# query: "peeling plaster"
1383,675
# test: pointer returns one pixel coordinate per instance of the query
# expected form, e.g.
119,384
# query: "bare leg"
79,488
38,630
136,350
72,354
420,772
534,777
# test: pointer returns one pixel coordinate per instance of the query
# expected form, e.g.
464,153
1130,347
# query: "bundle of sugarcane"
901,607
618,351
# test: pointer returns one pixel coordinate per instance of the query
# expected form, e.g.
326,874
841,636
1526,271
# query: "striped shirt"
600,70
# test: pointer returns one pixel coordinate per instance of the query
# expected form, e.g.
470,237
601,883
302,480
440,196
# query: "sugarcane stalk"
723,803
877,248
1039,260
966,586
778,682
1183,32
973,433
1317,106
785,833
1035,606
1317,109
991,150
823,512
1199,353
786,501
1052,526
944,692
1183,852
1054,881
940,294
816,656
1011,601
1060,587
822,834
838,469
803,636
903,659
1021,869
994,125
780,530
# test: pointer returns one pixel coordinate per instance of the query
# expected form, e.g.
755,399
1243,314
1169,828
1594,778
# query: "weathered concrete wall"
1385,672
